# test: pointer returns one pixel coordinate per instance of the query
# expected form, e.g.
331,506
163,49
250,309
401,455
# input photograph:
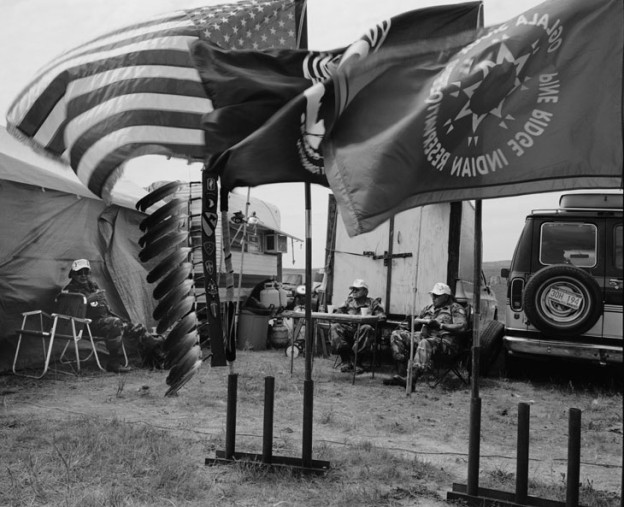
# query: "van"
564,285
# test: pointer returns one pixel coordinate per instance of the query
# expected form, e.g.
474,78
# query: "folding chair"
66,324
445,363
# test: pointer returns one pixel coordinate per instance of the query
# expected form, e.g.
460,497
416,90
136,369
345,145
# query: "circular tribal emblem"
495,98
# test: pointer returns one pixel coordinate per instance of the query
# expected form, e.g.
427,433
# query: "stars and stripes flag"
135,91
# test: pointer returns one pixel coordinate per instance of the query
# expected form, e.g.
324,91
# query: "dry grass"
89,462
109,440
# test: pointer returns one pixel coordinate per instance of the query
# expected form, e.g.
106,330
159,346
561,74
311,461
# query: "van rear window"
568,243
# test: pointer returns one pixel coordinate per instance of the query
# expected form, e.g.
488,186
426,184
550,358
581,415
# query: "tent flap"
42,232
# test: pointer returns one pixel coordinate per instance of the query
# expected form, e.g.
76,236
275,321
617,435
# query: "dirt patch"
432,424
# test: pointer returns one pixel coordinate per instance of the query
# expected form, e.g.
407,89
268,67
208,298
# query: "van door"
613,282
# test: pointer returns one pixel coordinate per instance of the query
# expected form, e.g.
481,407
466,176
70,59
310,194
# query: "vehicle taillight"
515,294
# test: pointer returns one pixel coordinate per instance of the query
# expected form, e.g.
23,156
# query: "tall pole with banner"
209,219
308,383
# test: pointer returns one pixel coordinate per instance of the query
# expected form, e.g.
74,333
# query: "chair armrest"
37,312
35,321
69,317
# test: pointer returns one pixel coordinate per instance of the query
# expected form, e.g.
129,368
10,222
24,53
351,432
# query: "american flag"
135,91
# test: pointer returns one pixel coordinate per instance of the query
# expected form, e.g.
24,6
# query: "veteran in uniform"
345,337
438,327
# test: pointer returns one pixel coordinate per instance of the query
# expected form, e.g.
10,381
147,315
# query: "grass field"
111,440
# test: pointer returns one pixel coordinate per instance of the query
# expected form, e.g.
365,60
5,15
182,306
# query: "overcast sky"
32,32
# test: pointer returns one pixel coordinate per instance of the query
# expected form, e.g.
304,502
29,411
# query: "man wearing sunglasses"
345,338
104,322
438,323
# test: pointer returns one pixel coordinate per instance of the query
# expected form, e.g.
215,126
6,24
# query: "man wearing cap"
439,324
104,322
343,335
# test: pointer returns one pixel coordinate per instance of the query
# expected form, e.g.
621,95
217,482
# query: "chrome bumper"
603,354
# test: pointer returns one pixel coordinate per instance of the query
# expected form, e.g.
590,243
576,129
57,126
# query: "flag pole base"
487,497
316,467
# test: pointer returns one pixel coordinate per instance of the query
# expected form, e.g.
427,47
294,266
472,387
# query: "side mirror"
505,273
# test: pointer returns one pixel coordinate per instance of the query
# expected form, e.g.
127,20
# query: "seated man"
345,338
439,324
104,322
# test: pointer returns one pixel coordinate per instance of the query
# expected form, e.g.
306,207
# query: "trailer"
408,253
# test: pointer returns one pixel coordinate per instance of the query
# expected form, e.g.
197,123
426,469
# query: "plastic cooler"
253,330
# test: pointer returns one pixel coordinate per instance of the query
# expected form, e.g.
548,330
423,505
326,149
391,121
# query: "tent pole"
242,259
308,384
412,311
475,400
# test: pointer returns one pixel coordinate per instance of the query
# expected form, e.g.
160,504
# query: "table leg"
355,356
323,344
375,336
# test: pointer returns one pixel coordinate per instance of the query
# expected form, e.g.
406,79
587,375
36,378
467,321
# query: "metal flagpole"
475,400
308,383
410,363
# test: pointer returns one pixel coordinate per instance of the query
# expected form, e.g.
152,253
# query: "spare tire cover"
562,300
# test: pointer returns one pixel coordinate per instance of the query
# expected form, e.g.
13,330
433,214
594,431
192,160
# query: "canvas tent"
49,219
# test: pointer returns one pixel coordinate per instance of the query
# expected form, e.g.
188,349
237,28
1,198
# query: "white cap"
440,288
358,283
79,264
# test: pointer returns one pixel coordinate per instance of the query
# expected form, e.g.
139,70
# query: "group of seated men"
436,326
436,329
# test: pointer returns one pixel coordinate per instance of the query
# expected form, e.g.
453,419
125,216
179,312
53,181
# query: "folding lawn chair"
445,363
67,324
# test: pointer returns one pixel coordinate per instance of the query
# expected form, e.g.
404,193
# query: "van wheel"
491,344
562,300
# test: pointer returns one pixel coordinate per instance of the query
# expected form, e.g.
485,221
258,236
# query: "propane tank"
283,296
270,295
279,335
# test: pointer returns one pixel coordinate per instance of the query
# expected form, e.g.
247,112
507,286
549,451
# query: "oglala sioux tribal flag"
532,105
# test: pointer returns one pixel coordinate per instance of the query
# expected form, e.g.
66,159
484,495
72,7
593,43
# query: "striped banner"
135,91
